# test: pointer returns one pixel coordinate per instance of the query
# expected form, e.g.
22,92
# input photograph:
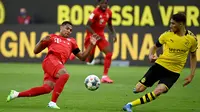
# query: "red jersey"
61,47
24,20
99,20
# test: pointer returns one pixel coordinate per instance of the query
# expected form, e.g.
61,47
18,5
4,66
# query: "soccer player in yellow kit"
178,43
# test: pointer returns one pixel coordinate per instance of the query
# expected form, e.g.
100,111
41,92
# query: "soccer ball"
92,82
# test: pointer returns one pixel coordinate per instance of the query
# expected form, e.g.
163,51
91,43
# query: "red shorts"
102,43
51,65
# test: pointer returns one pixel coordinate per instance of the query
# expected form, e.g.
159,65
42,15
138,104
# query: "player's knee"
109,55
139,88
65,76
159,91
47,88
61,72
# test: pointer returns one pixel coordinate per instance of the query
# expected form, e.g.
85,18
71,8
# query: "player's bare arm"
41,45
193,62
88,27
152,51
83,55
112,30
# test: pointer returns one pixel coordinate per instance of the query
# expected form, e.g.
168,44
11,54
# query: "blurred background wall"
138,25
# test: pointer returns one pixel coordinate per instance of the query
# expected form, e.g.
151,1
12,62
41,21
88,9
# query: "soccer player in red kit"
55,74
101,16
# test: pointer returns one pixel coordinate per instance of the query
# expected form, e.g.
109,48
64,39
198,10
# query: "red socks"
44,89
60,83
107,62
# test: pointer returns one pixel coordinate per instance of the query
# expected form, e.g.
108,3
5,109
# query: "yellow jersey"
176,49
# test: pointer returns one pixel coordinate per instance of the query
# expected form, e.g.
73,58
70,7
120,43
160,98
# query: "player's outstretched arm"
152,56
42,44
83,55
193,63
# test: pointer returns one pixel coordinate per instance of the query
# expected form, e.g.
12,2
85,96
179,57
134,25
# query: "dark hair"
179,17
101,0
66,22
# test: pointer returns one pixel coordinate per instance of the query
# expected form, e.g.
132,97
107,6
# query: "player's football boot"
13,94
91,63
128,107
53,105
106,80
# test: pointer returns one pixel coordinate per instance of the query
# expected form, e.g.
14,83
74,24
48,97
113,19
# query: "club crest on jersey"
101,21
187,43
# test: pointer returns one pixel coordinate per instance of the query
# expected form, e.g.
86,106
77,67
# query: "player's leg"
47,87
44,89
139,88
36,91
105,47
147,81
90,58
62,77
166,82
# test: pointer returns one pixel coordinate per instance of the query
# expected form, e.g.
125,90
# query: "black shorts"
161,74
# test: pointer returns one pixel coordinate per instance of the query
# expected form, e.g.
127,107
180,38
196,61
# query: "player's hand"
94,38
188,79
152,58
114,37
97,36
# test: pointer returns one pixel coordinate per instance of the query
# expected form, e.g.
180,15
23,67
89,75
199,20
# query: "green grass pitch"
108,98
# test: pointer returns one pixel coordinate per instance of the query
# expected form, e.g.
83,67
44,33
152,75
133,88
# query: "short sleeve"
194,46
52,36
161,40
93,15
50,40
75,48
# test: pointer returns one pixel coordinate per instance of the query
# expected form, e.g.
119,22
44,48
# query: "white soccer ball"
92,82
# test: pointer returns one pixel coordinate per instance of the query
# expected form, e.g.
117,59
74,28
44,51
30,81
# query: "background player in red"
55,75
101,16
